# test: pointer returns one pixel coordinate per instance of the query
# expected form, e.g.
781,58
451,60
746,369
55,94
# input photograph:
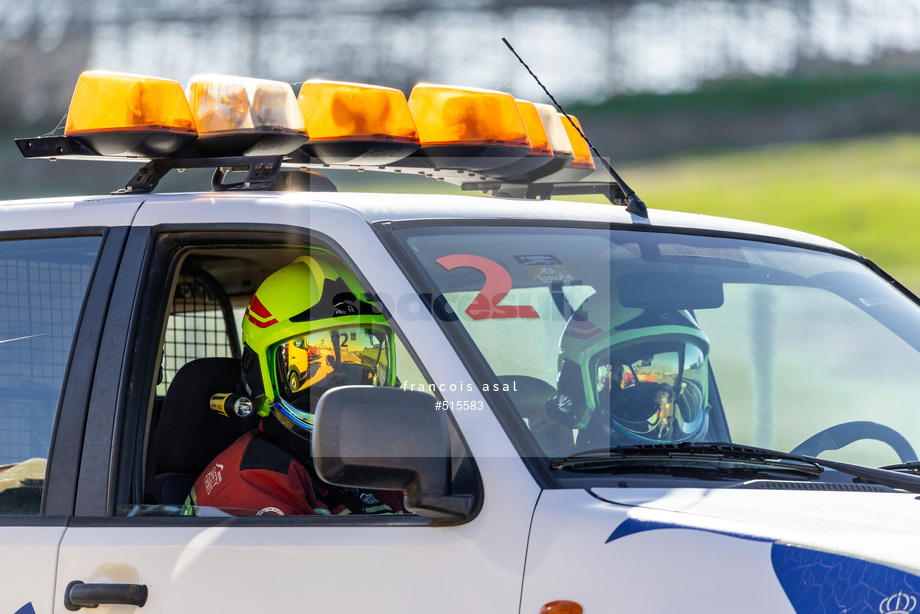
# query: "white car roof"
402,207
379,207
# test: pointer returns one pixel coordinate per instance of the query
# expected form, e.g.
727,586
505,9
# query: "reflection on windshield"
21,486
620,338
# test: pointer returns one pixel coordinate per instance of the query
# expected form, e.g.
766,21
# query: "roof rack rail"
542,191
263,171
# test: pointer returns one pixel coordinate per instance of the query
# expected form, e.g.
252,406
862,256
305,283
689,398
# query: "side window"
201,324
296,351
44,282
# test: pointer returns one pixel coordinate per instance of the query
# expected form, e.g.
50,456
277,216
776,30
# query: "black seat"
530,395
189,434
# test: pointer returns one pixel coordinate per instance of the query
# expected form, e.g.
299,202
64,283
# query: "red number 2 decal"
498,283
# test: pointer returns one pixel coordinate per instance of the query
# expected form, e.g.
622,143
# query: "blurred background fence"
700,100
620,56
586,50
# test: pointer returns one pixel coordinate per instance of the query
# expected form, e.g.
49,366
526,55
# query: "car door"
124,546
57,262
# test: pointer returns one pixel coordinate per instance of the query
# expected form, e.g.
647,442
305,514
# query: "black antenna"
634,203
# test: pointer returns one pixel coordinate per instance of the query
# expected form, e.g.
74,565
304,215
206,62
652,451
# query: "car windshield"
603,338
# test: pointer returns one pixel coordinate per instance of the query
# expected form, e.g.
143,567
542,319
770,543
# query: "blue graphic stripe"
631,526
822,582
26,609
818,582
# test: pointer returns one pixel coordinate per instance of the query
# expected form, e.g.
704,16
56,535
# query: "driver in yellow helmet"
307,329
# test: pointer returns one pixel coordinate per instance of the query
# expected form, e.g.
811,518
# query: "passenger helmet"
308,328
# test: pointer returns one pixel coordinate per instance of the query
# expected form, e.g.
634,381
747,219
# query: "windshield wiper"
697,454
886,476
686,455
909,466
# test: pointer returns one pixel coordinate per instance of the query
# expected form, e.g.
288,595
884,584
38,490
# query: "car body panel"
60,213
846,523
529,543
28,564
650,572
770,551
246,569
391,562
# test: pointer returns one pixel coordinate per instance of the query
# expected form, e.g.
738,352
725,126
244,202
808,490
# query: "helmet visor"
318,361
654,391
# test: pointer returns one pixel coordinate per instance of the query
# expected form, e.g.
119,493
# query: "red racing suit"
254,475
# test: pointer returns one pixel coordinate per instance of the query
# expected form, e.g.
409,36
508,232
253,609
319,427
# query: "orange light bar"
119,114
337,110
583,158
466,116
243,116
223,104
539,160
117,101
536,131
555,131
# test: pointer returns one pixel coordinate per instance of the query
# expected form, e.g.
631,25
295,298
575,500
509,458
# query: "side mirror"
374,437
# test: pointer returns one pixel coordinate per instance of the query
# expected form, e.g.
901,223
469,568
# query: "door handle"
80,595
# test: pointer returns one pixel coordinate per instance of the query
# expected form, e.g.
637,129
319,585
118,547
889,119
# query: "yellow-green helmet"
308,329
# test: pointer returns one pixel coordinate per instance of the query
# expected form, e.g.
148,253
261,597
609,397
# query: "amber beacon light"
468,128
120,114
244,116
354,123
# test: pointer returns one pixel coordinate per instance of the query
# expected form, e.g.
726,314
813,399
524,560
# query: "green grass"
864,194
757,94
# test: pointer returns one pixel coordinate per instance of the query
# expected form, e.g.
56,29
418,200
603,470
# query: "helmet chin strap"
285,438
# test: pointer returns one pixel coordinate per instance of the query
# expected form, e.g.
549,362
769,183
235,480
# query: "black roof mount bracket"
262,171
542,191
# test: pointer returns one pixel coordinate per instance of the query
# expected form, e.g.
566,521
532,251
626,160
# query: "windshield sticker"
538,260
549,274
546,269
497,286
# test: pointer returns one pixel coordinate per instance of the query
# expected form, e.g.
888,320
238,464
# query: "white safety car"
592,408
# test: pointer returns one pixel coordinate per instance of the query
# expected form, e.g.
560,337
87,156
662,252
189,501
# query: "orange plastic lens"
106,101
451,115
219,107
583,157
233,104
555,131
335,110
536,132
